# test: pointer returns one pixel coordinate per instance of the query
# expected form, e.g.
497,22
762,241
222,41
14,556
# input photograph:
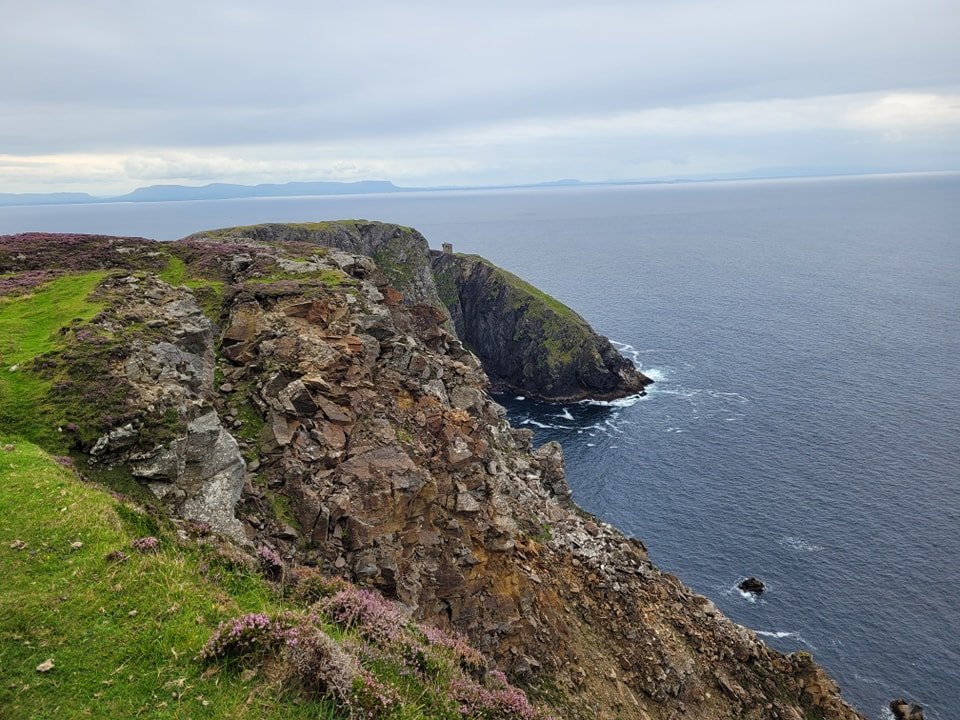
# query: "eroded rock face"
380,456
528,342
199,475
401,253
177,444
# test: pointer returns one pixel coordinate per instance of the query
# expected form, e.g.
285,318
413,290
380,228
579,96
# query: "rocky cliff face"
527,341
286,394
401,253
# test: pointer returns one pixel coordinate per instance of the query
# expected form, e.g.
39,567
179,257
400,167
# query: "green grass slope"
123,636
29,326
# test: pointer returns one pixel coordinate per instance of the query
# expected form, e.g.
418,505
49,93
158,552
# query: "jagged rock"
117,439
199,475
903,710
752,585
554,478
400,472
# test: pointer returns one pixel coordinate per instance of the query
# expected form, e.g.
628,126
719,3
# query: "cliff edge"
529,342
287,396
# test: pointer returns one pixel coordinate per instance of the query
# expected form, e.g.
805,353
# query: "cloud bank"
105,96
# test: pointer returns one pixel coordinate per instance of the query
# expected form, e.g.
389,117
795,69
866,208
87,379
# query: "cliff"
401,253
526,341
529,342
287,396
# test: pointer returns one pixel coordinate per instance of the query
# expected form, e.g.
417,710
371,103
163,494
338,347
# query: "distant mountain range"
227,191
214,191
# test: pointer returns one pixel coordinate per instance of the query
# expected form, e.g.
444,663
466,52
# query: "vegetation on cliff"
280,405
108,612
528,341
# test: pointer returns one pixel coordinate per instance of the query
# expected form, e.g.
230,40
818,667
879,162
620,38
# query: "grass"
209,293
331,278
29,326
559,331
123,637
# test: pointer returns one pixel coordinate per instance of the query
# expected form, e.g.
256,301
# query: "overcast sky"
107,96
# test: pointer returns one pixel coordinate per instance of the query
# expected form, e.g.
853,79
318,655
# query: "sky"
103,97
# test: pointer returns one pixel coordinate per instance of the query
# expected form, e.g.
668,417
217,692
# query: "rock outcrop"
526,341
529,342
401,253
372,450
752,585
904,710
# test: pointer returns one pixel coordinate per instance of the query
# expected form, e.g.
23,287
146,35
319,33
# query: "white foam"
799,544
748,596
545,426
613,427
520,397
565,415
781,634
625,402
656,374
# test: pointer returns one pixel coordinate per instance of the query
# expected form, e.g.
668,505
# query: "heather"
73,252
138,621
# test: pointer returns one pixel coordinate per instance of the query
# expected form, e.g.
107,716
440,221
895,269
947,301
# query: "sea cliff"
298,402
527,341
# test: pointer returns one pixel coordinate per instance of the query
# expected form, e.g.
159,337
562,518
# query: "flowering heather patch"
321,666
61,251
197,528
147,544
270,562
307,585
456,643
371,698
373,616
24,281
382,663
501,702
242,636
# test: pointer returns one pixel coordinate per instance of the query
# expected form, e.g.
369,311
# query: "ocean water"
804,426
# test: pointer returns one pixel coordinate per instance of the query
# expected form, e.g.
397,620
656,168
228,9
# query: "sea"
804,423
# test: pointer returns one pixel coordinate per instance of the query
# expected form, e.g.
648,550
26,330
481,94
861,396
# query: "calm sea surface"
805,422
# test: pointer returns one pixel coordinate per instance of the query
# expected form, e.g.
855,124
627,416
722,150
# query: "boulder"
752,585
904,710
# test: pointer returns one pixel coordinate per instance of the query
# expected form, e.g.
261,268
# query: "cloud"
163,90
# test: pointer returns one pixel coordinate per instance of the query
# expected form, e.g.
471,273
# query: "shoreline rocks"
752,585
904,710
